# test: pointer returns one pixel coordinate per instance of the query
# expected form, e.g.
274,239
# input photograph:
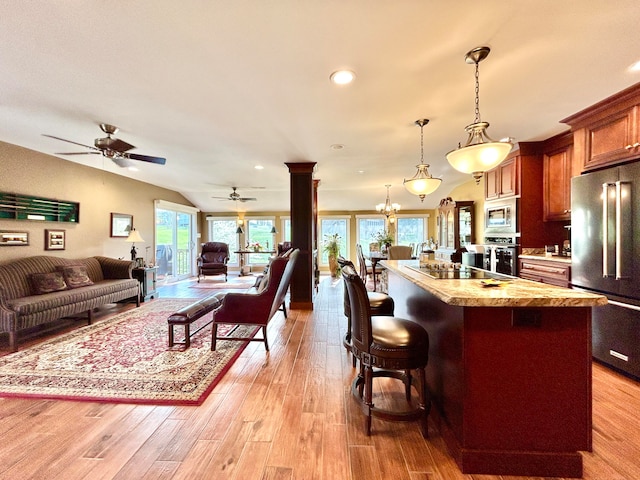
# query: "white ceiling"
217,86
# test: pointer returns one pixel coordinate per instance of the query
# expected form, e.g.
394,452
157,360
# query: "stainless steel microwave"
500,217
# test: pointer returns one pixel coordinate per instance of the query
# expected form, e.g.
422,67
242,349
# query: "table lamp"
133,237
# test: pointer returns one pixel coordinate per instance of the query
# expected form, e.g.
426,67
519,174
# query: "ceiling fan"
236,197
111,147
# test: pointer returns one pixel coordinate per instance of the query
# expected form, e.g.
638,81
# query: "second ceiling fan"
236,197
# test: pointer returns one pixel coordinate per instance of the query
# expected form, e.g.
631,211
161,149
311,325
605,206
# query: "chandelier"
422,183
480,153
387,208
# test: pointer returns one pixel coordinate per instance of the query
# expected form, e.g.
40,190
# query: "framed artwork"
121,224
139,262
8,239
54,239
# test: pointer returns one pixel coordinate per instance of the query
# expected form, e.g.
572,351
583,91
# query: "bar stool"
394,347
380,304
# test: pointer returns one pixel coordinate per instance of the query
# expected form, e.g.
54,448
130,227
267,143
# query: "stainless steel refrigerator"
605,250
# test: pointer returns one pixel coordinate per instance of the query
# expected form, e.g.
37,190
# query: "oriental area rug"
124,359
241,283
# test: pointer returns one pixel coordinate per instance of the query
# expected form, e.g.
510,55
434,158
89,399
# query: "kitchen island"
509,369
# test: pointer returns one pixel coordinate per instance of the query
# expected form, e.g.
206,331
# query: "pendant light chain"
422,143
477,94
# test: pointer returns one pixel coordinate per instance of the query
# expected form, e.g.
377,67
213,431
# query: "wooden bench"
189,314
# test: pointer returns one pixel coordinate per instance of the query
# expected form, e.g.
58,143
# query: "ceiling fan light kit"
481,152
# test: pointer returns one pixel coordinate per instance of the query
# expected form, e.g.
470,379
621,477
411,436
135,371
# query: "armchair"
213,259
259,305
283,247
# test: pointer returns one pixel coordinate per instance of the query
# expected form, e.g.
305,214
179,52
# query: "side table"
148,277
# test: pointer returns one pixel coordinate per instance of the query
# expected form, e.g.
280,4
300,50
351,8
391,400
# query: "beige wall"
99,193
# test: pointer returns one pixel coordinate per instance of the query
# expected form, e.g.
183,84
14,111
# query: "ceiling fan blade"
79,153
222,198
247,199
145,158
70,141
114,144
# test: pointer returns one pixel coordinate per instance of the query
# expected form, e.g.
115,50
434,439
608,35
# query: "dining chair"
400,252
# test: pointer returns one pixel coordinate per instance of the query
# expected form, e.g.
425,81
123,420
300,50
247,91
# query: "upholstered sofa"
41,289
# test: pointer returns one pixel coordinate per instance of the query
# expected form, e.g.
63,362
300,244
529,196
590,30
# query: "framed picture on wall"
121,224
14,238
54,239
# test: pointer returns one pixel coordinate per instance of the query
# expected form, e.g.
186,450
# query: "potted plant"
332,248
384,239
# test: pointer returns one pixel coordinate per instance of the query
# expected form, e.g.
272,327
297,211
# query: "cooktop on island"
458,273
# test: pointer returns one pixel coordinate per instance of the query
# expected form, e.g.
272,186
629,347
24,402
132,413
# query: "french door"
175,232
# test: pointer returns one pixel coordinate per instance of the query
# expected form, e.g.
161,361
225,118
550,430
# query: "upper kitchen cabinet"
523,170
502,181
608,132
558,169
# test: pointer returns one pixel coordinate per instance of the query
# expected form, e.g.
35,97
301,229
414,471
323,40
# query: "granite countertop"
515,293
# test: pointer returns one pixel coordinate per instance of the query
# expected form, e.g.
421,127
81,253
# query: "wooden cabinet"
455,229
551,272
148,278
523,169
608,132
502,181
557,172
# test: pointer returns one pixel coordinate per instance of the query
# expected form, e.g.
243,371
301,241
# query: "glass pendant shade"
422,183
481,152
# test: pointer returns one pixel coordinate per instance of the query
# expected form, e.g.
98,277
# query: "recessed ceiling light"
342,77
337,146
635,67
259,167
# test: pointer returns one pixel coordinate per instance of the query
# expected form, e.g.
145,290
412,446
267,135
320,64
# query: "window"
175,252
224,230
331,226
368,226
411,230
258,231
286,229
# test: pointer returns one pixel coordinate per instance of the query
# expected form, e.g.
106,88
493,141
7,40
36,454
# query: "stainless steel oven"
501,255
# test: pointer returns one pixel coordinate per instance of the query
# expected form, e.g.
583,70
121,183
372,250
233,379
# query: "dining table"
245,269
374,258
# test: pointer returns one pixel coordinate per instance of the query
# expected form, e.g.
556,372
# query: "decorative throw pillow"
47,282
75,276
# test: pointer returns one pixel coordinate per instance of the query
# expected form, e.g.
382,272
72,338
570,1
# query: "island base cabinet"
511,387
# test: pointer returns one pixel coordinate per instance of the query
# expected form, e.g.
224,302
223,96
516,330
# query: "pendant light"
422,183
480,153
387,208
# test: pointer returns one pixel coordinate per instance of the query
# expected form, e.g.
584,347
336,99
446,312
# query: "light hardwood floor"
287,414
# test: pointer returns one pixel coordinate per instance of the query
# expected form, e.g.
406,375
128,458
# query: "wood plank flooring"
282,415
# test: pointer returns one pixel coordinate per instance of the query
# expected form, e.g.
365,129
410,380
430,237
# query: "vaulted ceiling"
218,87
